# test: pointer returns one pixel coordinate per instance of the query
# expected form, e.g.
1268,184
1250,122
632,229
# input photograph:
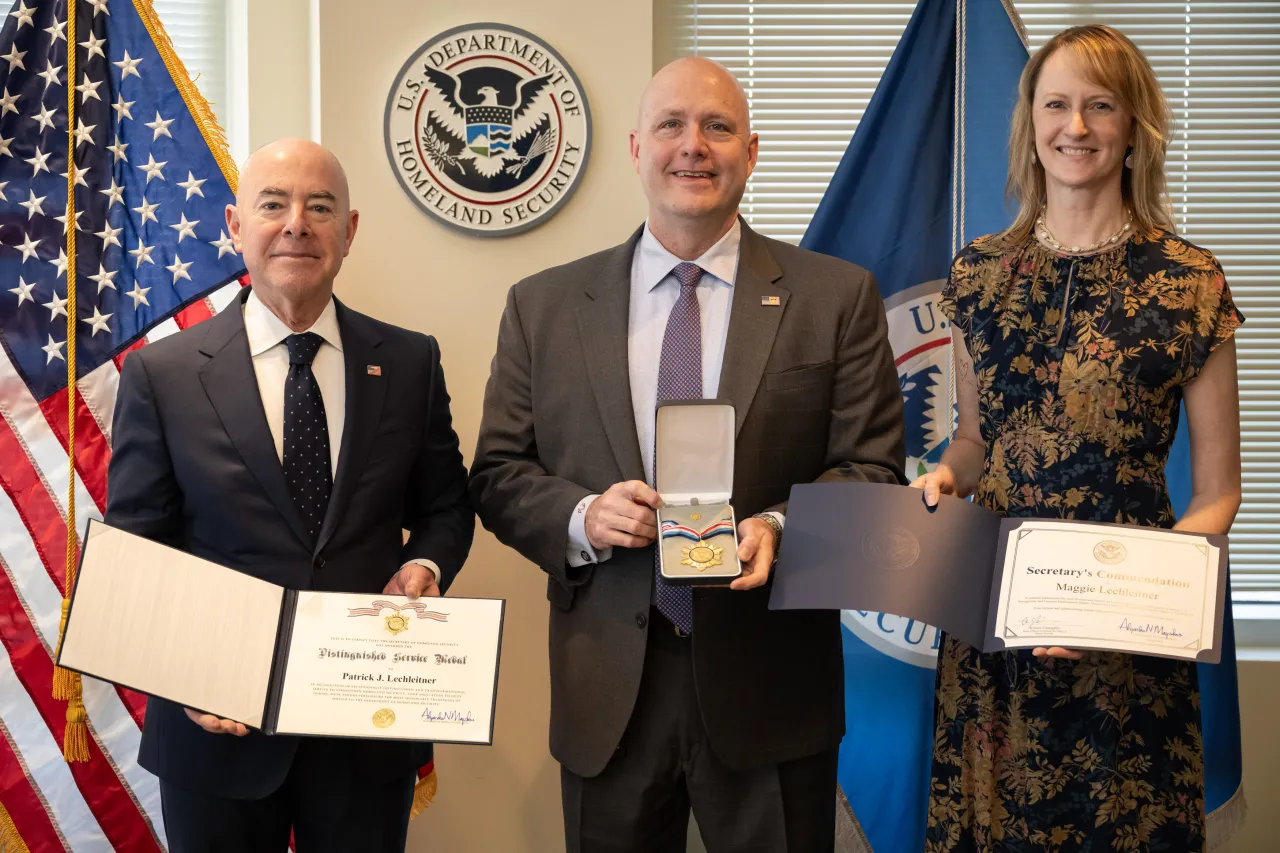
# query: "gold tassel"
75,742
10,840
423,793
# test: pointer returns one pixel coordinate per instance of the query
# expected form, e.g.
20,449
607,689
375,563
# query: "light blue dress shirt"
654,291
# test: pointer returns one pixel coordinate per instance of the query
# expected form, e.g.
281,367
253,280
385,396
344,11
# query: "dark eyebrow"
272,191
323,194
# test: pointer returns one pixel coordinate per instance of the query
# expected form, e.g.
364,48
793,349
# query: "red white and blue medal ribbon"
673,530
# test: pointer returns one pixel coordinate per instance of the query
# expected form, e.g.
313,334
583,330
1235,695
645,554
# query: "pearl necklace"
1042,232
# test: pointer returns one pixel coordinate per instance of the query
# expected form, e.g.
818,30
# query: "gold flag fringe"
10,840
214,136
423,794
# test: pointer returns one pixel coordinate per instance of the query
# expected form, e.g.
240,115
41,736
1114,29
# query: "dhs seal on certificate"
999,583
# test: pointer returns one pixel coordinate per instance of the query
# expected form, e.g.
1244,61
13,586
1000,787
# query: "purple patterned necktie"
679,378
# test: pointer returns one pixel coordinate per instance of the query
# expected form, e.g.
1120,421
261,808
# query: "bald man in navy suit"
295,440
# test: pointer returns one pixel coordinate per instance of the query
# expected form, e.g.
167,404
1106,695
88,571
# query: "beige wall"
271,91
410,270
407,269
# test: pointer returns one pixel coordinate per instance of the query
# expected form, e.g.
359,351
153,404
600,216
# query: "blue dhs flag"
924,175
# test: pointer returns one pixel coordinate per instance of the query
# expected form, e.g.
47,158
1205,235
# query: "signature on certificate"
453,716
1150,628
1032,621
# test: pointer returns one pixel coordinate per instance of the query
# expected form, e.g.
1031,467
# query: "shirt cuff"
778,517
430,564
579,551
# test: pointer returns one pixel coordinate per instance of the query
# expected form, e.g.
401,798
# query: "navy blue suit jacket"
194,466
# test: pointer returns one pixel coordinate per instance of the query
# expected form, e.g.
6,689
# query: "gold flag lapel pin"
773,301
373,369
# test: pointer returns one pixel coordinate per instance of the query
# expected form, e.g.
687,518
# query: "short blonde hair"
1112,61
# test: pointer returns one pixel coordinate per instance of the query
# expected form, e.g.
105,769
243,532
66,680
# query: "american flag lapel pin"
772,301
373,369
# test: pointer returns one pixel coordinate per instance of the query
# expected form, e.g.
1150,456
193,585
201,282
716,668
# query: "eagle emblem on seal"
488,125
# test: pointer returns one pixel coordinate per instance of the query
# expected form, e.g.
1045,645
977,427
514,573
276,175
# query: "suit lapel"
365,395
602,324
752,325
231,385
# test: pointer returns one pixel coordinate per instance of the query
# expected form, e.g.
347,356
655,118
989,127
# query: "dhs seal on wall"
920,336
488,129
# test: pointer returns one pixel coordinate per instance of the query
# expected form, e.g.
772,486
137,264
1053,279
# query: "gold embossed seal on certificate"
396,621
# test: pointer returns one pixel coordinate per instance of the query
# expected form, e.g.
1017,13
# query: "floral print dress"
1080,366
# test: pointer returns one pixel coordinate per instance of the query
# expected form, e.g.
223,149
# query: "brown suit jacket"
816,394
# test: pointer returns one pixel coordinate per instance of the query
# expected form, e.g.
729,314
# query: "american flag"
151,181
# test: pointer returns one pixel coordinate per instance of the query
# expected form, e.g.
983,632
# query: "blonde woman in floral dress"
1078,332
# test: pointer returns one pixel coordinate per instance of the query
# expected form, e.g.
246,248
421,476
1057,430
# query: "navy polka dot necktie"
679,378
306,434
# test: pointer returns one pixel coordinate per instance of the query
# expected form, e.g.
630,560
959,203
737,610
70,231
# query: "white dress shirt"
266,334
654,291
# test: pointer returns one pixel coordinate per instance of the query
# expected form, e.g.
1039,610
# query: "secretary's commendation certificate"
377,666
998,583
1096,586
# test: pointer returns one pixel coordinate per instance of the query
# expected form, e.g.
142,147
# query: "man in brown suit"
664,699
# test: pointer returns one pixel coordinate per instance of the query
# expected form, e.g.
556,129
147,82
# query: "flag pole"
67,684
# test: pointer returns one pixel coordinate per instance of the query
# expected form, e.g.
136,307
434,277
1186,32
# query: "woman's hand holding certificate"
942,481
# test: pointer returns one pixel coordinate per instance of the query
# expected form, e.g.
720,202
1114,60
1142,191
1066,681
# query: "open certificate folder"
999,583
166,623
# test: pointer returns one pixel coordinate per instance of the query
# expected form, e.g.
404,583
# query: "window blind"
198,29
810,68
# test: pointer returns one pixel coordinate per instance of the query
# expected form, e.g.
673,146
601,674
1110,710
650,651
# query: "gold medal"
702,556
397,622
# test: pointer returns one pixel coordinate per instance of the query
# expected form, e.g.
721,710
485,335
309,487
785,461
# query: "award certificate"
1096,586
284,661
385,667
